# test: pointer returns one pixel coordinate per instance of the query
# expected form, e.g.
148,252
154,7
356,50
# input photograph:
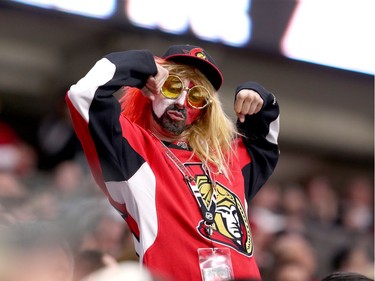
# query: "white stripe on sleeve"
82,93
138,193
274,131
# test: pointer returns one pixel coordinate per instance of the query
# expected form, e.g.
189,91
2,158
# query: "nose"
181,100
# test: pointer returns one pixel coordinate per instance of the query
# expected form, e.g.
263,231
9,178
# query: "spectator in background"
321,222
15,155
266,220
355,258
89,261
294,208
68,179
99,227
71,185
324,204
11,188
346,276
357,209
105,234
36,252
56,137
15,198
293,257
291,271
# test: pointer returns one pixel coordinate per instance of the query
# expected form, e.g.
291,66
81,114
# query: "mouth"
176,115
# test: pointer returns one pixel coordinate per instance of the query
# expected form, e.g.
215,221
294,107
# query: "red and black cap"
197,57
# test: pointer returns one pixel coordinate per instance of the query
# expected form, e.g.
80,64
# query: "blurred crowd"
53,214
305,232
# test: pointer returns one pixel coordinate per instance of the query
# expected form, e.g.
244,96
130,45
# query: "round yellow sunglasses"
197,96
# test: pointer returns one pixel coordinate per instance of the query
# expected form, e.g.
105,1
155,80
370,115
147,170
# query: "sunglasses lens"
172,87
198,97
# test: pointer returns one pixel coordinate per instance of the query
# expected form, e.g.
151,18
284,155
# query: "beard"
173,127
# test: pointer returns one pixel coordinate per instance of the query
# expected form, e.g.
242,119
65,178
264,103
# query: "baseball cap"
197,57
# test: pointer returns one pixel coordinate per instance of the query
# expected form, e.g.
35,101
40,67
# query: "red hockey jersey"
146,187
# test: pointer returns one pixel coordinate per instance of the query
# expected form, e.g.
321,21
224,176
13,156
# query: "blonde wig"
210,137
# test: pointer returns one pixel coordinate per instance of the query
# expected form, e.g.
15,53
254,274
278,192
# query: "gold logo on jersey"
231,226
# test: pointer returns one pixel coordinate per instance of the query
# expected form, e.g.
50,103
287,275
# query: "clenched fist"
247,102
154,84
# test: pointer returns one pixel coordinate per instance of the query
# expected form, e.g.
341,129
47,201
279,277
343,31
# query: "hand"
154,84
247,102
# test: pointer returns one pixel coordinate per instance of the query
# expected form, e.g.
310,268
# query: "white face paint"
160,103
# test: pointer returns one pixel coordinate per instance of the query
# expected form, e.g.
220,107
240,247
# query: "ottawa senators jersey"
146,187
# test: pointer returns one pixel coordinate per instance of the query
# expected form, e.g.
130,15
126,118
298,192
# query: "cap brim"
209,70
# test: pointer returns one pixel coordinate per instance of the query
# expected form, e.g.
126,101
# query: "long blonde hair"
210,137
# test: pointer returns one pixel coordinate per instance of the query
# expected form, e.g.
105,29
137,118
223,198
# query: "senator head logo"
231,227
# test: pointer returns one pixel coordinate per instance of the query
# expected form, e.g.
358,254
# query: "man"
172,163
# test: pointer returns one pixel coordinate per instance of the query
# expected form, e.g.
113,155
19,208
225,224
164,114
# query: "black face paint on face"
165,121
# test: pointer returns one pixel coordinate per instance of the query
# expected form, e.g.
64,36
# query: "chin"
173,132
168,127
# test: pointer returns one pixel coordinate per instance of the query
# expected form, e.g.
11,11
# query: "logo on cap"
198,52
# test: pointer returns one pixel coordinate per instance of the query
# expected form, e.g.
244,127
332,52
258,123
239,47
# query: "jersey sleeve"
96,115
260,133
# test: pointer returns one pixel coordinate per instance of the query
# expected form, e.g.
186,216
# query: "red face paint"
192,114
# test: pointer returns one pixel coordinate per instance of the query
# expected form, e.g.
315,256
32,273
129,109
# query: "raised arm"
95,113
258,120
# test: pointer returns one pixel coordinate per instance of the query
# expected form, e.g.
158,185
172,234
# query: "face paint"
173,120
192,114
160,104
174,115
